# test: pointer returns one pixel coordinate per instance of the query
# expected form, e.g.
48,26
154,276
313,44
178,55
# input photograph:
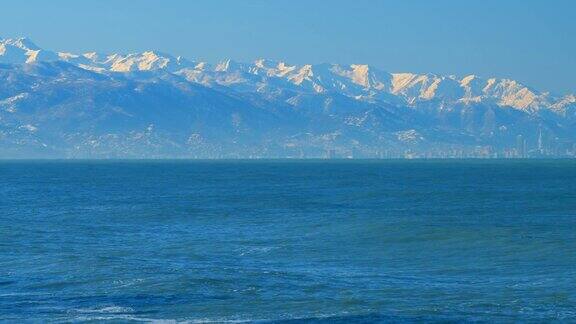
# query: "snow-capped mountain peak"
22,43
228,65
99,104
23,50
356,80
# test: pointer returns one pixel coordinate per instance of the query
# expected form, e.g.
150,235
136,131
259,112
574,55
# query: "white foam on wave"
132,318
106,310
256,250
119,313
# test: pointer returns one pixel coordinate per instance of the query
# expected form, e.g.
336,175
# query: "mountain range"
155,105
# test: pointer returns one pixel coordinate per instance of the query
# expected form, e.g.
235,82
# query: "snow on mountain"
363,81
425,87
22,50
357,80
101,103
227,65
564,105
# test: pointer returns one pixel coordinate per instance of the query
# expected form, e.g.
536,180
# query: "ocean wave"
105,310
256,250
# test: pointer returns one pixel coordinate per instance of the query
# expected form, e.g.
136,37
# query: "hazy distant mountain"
151,104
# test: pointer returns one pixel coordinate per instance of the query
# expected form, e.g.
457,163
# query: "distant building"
331,154
521,147
540,141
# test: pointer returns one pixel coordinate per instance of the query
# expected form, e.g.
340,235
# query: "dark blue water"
357,241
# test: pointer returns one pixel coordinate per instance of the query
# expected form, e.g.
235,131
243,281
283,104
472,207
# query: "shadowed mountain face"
156,105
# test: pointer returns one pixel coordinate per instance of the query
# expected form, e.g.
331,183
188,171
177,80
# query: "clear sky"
533,41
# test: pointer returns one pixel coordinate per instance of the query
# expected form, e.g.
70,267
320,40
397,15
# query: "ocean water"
288,241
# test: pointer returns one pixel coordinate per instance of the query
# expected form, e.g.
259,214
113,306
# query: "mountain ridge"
412,85
310,108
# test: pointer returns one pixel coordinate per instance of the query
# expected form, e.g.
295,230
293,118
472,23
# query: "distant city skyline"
529,41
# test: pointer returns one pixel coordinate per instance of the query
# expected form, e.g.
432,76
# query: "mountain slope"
55,104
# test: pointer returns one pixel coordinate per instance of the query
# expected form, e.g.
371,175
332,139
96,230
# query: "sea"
288,241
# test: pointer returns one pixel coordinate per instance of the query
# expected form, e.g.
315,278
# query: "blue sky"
533,41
